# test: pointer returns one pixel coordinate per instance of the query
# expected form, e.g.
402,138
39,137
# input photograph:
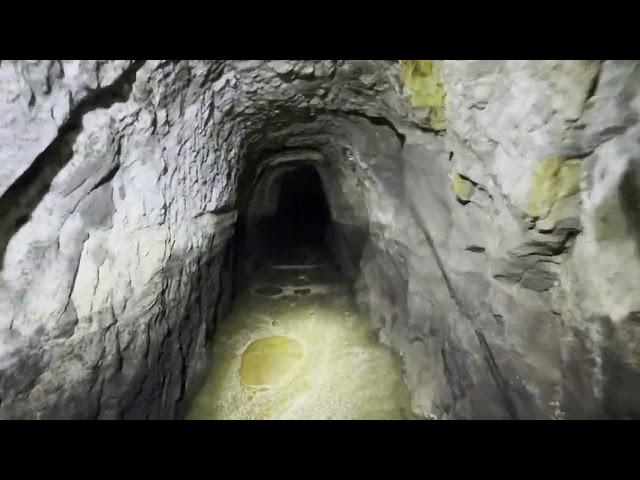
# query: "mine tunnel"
319,239
296,304
302,215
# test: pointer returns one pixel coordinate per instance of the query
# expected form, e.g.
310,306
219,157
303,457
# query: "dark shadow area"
302,215
287,222
630,201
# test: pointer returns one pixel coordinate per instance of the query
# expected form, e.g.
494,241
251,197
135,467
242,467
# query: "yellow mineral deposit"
462,187
423,81
554,180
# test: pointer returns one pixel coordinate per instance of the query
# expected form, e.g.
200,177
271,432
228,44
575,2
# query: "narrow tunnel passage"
287,220
294,337
302,213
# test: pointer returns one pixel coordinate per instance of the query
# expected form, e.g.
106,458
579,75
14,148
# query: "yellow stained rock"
423,81
462,187
554,180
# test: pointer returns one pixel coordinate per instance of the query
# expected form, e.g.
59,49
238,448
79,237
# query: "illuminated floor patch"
267,360
296,355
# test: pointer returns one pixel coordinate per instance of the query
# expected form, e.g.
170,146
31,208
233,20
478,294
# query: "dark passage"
302,216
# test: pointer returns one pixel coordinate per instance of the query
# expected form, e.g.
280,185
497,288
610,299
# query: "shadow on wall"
630,201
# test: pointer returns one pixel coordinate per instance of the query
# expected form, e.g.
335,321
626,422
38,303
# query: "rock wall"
515,285
497,202
109,239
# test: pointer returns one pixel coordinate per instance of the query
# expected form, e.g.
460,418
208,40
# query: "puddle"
268,291
267,360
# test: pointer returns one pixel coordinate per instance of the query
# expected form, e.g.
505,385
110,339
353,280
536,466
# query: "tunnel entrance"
302,215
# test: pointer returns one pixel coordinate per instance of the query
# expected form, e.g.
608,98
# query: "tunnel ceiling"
485,210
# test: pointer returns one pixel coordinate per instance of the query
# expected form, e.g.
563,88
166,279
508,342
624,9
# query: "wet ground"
295,347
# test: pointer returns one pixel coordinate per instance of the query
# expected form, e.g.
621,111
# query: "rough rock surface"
489,212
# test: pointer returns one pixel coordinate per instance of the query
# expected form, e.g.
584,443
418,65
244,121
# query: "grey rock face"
493,237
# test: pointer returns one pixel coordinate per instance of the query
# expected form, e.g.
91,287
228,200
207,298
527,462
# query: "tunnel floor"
295,347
